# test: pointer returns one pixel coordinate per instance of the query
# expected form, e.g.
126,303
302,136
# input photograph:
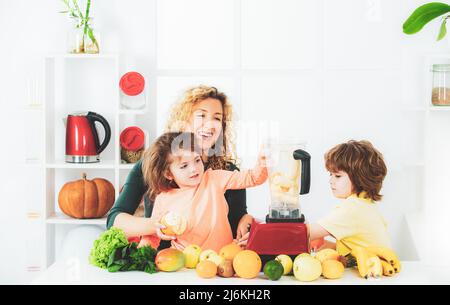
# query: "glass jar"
132,85
79,42
75,39
132,142
440,95
91,39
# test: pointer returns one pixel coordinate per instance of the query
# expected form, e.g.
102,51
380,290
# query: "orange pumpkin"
86,198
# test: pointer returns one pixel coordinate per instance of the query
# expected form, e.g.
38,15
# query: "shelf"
439,108
133,112
126,166
107,164
83,56
59,218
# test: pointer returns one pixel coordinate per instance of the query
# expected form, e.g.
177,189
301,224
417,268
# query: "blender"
284,231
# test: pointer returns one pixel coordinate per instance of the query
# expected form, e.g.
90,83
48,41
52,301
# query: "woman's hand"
243,229
262,157
242,242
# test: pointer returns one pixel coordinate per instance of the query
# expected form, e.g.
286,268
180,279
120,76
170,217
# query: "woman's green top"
135,188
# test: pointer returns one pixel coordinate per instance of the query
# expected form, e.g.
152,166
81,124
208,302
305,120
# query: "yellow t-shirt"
356,222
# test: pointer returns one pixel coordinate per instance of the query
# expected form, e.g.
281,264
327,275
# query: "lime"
273,270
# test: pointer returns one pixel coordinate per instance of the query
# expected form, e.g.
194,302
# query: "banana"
388,255
388,270
369,265
375,266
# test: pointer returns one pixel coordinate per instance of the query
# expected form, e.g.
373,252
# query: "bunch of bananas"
376,261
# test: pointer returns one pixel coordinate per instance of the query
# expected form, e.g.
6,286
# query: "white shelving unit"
431,219
74,83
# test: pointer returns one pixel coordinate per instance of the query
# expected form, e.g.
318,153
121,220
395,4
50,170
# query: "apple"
205,254
216,259
192,254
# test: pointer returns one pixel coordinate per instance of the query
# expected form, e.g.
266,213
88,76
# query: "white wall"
325,71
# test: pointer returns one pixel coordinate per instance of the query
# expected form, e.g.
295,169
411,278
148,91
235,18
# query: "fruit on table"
388,255
216,259
206,269
388,270
205,254
225,269
170,260
174,224
327,254
369,265
307,269
305,254
273,270
287,263
247,264
192,256
211,255
332,269
85,198
134,239
149,240
229,251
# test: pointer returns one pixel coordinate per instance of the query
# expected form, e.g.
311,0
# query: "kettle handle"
305,159
95,117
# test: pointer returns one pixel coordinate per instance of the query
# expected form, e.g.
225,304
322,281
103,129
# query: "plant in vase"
82,38
426,13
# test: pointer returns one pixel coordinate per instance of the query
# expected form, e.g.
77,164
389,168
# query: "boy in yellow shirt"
357,171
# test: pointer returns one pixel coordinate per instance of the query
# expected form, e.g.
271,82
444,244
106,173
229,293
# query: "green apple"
287,263
192,254
205,254
216,259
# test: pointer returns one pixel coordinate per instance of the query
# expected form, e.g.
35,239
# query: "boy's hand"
316,244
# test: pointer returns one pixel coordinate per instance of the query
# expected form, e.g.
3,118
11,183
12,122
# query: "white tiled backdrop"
324,71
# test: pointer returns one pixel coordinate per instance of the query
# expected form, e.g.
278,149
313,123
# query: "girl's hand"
156,229
243,226
163,236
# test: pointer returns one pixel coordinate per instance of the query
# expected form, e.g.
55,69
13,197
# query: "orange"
247,264
206,269
229,251
332,269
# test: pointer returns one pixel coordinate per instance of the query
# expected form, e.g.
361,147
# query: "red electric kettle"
82,142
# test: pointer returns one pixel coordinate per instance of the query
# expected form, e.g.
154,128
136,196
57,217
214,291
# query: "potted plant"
81,38
424,14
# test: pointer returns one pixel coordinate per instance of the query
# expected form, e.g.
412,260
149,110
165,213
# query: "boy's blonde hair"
363,163
223,150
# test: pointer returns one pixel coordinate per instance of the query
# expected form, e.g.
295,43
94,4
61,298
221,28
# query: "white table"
76,272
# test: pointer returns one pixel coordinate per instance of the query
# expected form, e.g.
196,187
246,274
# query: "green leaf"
424,14
442,30
114,268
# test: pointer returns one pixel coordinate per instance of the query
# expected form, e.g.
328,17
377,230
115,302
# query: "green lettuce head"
105,245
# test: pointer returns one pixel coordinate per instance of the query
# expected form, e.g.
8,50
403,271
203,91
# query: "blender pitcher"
289,177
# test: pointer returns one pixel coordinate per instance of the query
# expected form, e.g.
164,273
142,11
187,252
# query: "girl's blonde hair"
223,151
157,159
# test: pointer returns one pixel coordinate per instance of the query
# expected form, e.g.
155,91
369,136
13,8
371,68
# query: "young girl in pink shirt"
174,171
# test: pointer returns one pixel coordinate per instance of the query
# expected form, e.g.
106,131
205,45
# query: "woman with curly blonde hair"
205,112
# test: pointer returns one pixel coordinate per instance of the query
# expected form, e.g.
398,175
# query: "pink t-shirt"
205,207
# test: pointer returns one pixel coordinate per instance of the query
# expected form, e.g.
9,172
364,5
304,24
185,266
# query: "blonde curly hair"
223,151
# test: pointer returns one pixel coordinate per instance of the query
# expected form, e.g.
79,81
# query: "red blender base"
272,239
